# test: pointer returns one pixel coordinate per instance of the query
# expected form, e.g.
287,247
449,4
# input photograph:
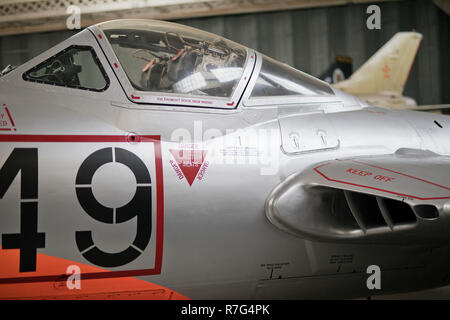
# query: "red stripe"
69,138
159,209
86,276
5,129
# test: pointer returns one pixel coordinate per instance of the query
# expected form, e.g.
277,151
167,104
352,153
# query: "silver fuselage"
216,239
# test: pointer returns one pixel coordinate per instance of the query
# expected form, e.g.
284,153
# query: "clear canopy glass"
278,79
165,57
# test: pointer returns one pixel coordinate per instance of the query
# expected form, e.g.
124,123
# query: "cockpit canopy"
165,57
168,58
158,62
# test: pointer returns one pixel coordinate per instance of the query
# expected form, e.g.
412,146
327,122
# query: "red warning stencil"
387,71
190,161
6,120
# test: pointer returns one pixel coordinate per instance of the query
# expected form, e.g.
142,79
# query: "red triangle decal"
6,120
189,161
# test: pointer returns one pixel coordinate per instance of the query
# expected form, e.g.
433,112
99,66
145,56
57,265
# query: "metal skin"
218,241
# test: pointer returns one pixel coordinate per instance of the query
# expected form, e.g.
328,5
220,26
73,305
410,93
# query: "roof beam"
27,16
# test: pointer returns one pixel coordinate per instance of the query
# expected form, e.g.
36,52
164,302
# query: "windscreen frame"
143,98
247,101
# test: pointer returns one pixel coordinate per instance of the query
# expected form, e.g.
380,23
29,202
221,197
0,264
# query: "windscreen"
169,58
278,79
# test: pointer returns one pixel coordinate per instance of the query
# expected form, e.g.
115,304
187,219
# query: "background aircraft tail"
340,70
388,69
